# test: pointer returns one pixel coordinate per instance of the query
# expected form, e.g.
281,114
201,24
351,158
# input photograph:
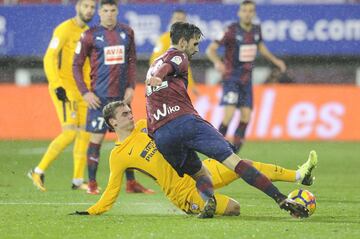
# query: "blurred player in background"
134,149
241,41
179,132
111,49
164,42
70,107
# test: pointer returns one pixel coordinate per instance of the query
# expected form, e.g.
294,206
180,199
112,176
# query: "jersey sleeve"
51,58
82,51
180,64
108,198
131,79
225,38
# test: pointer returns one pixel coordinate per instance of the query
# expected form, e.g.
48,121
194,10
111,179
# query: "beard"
84,19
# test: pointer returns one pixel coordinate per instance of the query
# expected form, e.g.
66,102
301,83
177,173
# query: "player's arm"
51,58
264,51
177,64
82,51
213,56
52,64
157,78
108,198
131,71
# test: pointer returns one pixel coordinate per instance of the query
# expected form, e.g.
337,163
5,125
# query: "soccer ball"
304,197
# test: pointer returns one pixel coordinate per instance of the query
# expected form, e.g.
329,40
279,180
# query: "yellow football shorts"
72,113
188,198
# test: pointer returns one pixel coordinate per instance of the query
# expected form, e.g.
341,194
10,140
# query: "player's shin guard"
93,155
223,129
56,147
239,136
205,187
79,154
256,179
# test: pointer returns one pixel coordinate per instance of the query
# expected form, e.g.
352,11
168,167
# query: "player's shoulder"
93,29
124,27
65,26
175,56
141,126
89,34
256,27
233,26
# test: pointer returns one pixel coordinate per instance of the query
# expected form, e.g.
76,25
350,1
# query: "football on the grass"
304,197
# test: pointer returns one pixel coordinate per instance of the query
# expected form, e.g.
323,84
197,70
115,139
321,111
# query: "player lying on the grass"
134,149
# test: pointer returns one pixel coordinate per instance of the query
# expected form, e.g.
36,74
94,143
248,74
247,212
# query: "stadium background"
321,106
320,47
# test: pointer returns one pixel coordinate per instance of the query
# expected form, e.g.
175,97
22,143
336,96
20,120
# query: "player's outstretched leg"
295,209
306,169
37,179
209,209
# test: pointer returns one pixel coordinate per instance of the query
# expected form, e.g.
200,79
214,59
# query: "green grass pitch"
28,213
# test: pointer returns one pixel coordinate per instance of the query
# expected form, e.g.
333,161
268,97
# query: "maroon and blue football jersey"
112,56
240,51
169,100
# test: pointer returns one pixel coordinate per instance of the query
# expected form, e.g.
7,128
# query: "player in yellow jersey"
134,149
163,44
69,104
70,107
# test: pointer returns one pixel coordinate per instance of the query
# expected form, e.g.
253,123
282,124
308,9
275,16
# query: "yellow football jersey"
139,152
59,56
162,44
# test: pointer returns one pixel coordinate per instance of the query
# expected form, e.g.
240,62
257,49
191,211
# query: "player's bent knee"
232,209
68,135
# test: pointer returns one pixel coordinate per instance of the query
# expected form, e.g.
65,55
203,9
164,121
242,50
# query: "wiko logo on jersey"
114,55
166,110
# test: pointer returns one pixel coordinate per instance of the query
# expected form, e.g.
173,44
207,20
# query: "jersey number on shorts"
231,97
98,123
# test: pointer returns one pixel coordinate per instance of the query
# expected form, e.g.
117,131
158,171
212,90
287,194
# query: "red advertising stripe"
281,112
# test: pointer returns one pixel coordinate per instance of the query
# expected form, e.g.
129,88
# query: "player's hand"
81,213
154,81
93,101
61,94
220,66
281,64
129,95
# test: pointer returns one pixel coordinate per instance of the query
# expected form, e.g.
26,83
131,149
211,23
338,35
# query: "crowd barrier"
281,112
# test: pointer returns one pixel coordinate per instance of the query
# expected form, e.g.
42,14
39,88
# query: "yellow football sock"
79,153
56,147
275,172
